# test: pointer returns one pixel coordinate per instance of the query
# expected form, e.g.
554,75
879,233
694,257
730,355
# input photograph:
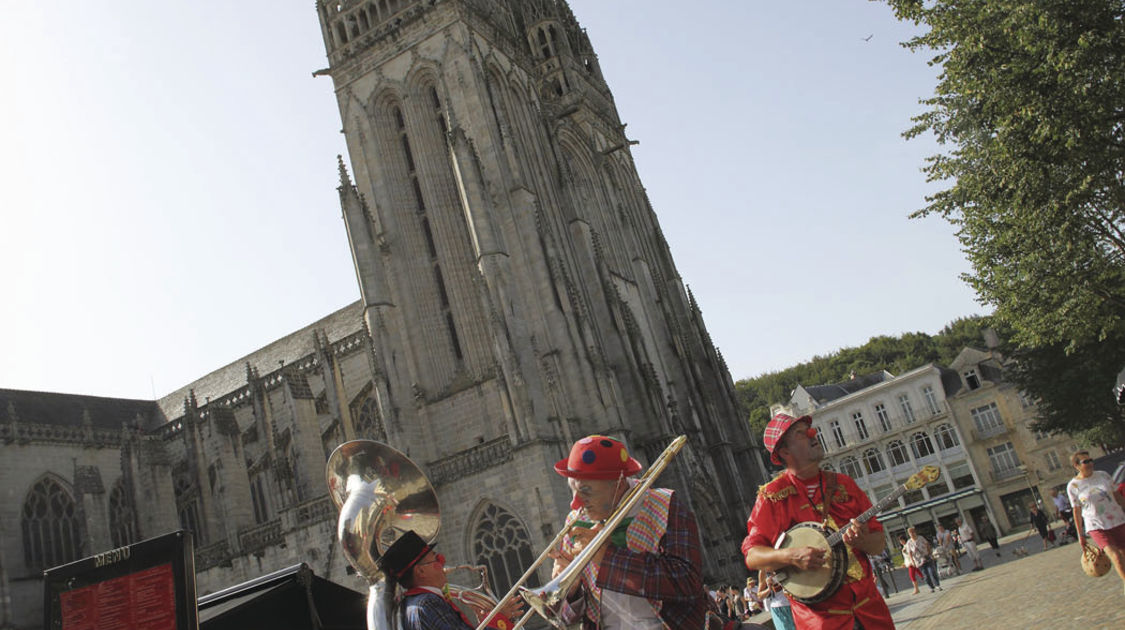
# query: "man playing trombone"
647,574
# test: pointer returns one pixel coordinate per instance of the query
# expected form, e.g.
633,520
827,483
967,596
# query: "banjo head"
814,585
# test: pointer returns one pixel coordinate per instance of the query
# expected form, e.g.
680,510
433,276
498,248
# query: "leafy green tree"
1073,388
1030,112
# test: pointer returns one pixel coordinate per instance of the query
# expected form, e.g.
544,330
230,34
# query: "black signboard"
149,585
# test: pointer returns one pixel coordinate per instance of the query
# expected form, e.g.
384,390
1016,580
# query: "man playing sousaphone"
425,605
801,493
649,573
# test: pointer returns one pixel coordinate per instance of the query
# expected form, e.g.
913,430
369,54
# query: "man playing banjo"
804,493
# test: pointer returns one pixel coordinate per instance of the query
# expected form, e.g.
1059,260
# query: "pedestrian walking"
1099,510
968,541
988,532
921,556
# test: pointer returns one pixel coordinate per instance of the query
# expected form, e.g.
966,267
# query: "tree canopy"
1030,113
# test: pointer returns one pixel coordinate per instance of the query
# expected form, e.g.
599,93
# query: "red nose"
811,432
440,558
575,503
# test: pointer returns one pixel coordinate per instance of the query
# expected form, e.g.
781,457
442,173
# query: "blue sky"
168,175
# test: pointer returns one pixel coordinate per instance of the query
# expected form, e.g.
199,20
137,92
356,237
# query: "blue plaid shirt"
427,611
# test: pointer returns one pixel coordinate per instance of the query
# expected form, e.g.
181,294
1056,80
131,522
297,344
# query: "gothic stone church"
516,293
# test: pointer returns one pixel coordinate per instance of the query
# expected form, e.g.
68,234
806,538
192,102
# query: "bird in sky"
868,38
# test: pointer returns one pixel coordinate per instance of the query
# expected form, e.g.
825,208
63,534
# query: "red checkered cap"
776,429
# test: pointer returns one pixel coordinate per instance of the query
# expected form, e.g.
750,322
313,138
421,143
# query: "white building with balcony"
880,429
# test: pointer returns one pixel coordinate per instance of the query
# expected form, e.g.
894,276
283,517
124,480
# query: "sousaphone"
381,495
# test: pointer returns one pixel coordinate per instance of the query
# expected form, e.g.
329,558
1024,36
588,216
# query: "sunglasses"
1085,461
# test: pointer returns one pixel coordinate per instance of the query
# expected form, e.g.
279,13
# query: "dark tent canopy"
289,599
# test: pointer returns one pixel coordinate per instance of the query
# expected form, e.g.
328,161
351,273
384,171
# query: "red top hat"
776,429
598,457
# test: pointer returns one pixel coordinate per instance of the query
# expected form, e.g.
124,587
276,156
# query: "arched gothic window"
50,526
850,467
946,436
502,543
122,516
873,461
187,504
921,445
896,453
367,422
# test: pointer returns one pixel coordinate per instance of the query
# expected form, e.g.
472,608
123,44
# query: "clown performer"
648,575
803,492
425,604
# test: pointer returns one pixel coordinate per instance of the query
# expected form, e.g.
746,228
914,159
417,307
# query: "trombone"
546,600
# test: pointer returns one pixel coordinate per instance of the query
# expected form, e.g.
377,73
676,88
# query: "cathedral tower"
516,286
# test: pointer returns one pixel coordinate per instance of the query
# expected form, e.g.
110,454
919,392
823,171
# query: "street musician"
425,605
803,493
649,574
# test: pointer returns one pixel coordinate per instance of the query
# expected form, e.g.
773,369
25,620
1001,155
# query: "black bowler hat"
401,556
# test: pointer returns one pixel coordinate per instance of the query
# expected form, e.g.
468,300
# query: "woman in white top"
776,601
1098,509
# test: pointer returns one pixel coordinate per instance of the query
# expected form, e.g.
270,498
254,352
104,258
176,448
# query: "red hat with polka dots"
598,457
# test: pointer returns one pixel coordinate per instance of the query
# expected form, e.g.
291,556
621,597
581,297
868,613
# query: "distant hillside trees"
894,354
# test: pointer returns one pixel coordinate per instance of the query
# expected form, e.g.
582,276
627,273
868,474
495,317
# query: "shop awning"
918,507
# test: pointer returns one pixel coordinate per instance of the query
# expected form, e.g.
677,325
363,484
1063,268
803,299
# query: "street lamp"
1027,477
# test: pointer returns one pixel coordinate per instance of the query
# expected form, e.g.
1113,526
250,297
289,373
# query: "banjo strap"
827,492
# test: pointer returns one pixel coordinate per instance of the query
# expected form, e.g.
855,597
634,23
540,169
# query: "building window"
873,461
258,497
987,420
972,381
369,424
883,416
912,496
850,467
502,544
837,433
1004,461
937,487
946,436
931,400
122,516
860,425
1052,460
896,453
907,410
921,445
961,475
50,527
187,505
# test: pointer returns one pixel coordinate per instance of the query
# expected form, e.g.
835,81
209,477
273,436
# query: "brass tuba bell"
381,494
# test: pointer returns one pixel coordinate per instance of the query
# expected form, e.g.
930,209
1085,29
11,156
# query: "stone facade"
516,285
516,294
1019,464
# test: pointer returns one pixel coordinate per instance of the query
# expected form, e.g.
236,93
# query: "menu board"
146,586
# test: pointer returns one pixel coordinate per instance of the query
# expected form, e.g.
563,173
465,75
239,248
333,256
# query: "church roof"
72,409
289,349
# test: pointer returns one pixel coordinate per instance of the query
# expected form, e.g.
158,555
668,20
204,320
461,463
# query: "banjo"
817,585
